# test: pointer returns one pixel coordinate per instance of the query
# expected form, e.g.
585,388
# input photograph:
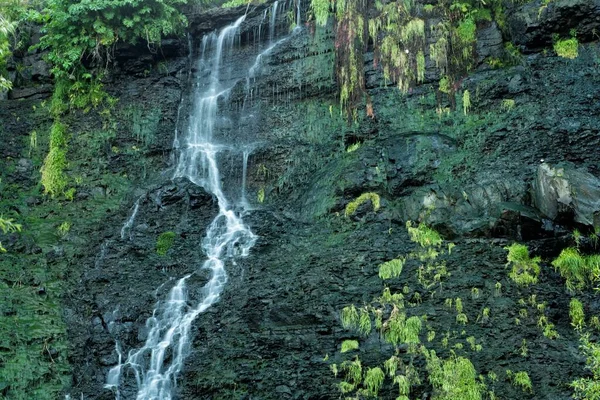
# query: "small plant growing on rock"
576,314
363,198
578,270
520,379
349,345
524,270
589,388
164,242
567,48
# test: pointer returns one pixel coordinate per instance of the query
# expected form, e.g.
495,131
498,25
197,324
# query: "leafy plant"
578,270
589,388
520,379
576,313
349,345
567,48
524,270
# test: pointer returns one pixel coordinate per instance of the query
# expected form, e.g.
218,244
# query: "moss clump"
164,242
54,179
353,205
525,270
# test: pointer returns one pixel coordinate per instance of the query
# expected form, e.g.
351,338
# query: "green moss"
54,178
353,205
164,242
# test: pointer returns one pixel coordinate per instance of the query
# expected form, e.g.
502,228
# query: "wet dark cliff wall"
276,329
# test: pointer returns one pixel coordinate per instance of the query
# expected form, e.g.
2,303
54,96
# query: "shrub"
589,388
164,242
576,314
525,270
567,48
578,270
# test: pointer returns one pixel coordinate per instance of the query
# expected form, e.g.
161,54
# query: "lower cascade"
157,363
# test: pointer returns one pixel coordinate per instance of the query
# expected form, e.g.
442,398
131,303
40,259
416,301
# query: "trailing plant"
520,379
524,270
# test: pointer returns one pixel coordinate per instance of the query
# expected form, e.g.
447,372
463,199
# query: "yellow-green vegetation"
63,229
353,147
524,270
576,313
260,196
578,270
521,380
400,35
349,345
391,269
452,379
466,102
508,104
363,198
237,3
567,48
7,28
164,242
8,225
54,178
588,388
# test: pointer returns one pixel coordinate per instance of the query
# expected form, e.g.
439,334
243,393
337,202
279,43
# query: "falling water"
273,21
129,223
158,362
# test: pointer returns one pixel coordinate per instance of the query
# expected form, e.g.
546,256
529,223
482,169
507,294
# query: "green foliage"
354,204
520,379
567,48
7,28
391,269
349,345
164,242
589,388
423,235
524,270
453,378
77,30
578,270
576,313
349,317
466,101
7,225
373,381
54,178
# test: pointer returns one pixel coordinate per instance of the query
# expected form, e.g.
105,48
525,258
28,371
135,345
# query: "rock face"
274,334
567,193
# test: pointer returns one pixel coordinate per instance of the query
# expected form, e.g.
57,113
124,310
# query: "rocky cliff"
483,178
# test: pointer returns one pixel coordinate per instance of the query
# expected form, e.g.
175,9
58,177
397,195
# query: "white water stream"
157,363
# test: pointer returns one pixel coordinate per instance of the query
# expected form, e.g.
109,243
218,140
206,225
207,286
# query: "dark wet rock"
566,193
532,25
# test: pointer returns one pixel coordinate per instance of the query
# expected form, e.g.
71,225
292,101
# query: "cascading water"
157,363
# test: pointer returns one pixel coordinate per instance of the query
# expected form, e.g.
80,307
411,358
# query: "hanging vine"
400,31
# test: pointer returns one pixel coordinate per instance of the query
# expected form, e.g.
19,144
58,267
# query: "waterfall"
158,362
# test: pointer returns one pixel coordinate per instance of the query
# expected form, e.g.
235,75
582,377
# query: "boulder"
566,194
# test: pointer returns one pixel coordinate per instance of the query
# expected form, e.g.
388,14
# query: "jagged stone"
567,194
